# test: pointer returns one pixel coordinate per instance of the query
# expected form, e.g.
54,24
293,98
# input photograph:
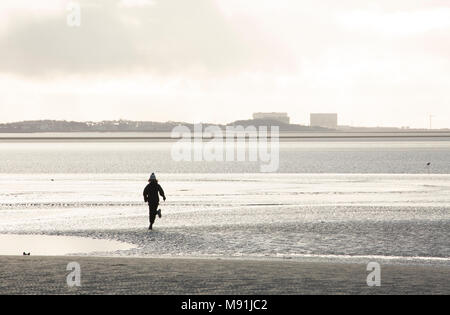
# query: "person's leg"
158,211
155,211
152,208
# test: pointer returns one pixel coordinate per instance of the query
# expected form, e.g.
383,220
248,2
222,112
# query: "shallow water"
397,217
340,199
370,157
45,245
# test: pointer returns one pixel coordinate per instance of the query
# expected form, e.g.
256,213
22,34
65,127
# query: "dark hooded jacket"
152,192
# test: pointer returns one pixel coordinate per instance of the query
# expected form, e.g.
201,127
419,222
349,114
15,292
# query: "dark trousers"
153,207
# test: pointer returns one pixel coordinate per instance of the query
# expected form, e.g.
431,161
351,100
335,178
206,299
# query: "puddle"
47,245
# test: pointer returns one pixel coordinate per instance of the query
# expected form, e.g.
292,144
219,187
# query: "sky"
375,63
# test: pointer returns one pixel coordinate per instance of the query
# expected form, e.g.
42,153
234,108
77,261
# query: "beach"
237,215
107,275
229,231
224,148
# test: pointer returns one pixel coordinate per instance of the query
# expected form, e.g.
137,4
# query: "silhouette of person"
151,195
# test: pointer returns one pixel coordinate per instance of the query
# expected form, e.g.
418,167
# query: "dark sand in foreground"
47,275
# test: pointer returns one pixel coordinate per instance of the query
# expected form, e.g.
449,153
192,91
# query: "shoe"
150,227
159,213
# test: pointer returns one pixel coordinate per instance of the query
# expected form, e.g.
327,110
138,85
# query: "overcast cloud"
169,36
374,62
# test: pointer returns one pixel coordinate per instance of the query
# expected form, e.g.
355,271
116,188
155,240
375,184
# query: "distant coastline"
104,129
126,126
167,136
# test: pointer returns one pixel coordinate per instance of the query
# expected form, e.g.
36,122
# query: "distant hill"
74,126
132,126
283,126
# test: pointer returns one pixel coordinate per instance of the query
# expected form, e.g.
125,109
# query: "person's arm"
146,194
161,192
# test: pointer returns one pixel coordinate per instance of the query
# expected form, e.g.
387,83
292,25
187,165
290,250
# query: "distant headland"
62,126
134,126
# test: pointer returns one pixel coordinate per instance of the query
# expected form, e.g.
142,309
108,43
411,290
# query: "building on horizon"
325,120
281,117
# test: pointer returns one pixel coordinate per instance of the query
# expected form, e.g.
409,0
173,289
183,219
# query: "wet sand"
47,275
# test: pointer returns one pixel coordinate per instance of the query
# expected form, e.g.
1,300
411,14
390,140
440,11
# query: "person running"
151,195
